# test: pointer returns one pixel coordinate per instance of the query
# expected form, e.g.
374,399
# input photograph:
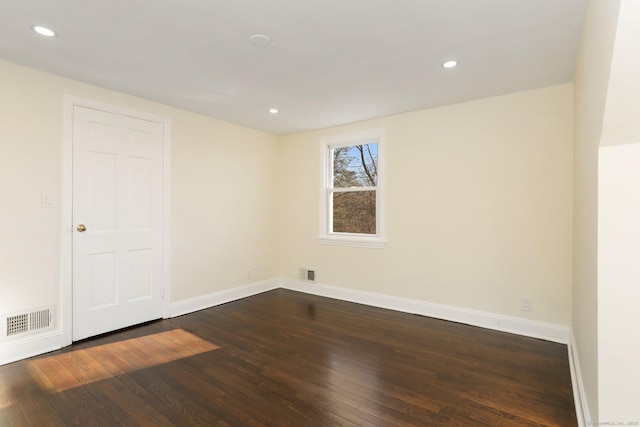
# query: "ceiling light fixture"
260,40
273,110
43,31
450,64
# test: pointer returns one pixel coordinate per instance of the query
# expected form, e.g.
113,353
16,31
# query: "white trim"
514,325
217,298
326,237
360,242
166,234
66,270
29,347
34,345
66,217
579,397
43,343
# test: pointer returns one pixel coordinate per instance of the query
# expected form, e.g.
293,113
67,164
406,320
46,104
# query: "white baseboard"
39,344
579,396
545,331
190,305
13,350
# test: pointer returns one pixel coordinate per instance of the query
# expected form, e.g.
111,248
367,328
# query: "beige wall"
222,182
30,162
621,124
479,207
484,189
591,84
223,214
618,278
619,228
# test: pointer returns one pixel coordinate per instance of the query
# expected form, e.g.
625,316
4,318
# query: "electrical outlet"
526,304
250,273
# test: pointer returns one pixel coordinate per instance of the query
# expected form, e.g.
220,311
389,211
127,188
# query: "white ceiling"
330,61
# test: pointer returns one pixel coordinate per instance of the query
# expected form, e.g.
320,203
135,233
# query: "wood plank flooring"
284,358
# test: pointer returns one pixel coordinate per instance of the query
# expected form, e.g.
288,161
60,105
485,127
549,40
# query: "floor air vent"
21,323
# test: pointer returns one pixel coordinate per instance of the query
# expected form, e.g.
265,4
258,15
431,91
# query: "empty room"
305,213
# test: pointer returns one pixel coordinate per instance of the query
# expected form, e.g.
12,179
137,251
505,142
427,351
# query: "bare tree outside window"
355,182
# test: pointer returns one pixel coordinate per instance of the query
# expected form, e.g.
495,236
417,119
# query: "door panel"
138,275
139,193
102,190
117,195
102,280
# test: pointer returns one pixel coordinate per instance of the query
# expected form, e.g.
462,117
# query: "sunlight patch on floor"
6,398
76,368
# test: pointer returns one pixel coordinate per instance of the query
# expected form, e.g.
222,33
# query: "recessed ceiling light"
449,64
273,110
44,31
260,40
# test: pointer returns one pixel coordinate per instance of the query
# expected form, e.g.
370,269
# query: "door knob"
81,228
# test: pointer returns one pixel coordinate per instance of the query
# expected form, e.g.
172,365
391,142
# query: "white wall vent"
16,324
308,275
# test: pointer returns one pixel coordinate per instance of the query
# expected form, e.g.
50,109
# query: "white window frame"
327,144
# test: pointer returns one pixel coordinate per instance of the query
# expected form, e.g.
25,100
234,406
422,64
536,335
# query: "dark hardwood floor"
284,358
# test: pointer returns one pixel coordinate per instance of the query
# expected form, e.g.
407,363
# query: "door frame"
66,222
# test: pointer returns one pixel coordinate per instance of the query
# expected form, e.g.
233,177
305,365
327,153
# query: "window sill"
360,242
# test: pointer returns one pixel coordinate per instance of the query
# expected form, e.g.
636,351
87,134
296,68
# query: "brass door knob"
81,228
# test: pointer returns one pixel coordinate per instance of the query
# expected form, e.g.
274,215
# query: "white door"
117,221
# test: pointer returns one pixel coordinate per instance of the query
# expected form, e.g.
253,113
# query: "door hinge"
162,292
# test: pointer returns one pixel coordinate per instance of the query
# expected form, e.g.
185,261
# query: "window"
352,197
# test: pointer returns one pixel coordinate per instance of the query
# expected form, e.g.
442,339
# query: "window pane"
354,212
355,166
